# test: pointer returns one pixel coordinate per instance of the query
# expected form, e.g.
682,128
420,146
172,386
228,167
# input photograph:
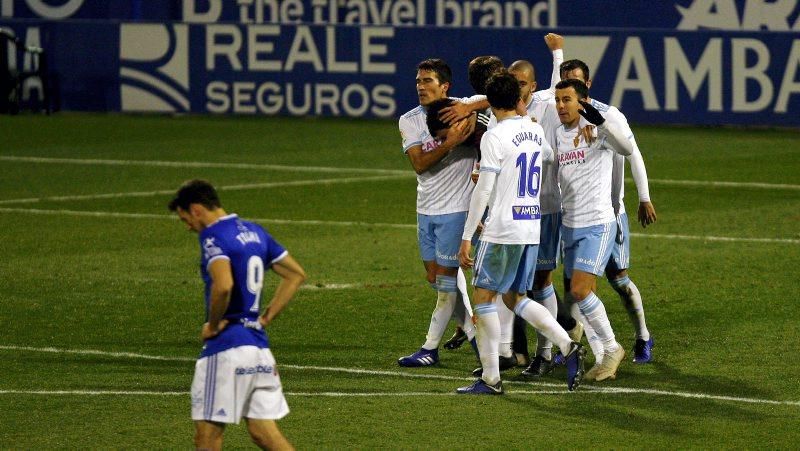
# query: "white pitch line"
221,188
584,389
290,168
200,164
313,222
719,184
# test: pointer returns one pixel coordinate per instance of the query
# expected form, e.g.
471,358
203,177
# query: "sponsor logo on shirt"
264,369
525,212
571,157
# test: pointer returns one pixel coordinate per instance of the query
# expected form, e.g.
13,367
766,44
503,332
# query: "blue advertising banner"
739,15
654,76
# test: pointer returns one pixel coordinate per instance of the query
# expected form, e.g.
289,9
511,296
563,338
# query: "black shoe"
538,368
458,339
506,363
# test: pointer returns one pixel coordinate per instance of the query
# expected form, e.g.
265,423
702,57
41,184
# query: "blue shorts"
504,267
549,242
621,249
588,248
439,237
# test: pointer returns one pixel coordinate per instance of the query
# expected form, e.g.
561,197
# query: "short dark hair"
195,192
571,65
480,69
578,85
434,123
502,90
439,67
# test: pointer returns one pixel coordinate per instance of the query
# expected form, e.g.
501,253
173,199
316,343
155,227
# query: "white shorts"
239,382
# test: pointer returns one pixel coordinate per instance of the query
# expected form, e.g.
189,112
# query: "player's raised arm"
292,276
612,132
555,43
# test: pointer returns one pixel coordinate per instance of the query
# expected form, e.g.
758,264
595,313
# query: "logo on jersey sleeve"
526,212
210,248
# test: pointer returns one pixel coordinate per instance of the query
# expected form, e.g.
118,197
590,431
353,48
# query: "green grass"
723,312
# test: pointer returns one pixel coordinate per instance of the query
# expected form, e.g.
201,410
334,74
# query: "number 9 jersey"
251,251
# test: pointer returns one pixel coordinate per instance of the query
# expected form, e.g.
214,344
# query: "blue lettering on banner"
526,212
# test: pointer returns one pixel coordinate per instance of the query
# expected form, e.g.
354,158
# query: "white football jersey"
584,174
446,187
618,171
514,149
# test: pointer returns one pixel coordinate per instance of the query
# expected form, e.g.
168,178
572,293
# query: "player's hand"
479,230
590,113
647,213
475,174
208,333
464,258
554,41
588,134
459,132
455,112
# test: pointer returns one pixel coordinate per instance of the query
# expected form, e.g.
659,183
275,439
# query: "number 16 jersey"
514,150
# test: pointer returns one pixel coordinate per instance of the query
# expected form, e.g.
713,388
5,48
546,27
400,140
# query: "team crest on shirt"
210,248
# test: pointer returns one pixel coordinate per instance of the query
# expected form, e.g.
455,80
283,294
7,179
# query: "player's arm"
555,43
477,205
221,275
463,108
456,134
612,132
292,276
647,212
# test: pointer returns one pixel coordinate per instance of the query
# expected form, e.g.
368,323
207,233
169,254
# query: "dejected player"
235,375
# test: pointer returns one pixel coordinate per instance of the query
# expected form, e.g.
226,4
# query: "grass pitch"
101,303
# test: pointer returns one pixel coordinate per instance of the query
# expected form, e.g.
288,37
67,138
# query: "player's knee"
613,274
579,292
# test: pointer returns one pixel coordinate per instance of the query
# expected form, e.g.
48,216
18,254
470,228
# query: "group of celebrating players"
549,165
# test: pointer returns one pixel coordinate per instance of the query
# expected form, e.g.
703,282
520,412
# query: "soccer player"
617,268
443,191
511,158
235,375
589,224
540,105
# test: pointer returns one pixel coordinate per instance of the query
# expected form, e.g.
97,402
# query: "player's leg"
589,249
538,316
264,402
617,275
267,435
506,316
489,276
595,344
208,435
426,236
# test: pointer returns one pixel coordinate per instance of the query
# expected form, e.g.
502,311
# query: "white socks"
547,298
632,301
595,312
445,303
541,319
488,338
506,317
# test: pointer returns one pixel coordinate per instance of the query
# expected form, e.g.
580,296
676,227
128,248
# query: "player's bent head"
480,69
574,69
195,191
502,91
581,90
439,67
435,124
